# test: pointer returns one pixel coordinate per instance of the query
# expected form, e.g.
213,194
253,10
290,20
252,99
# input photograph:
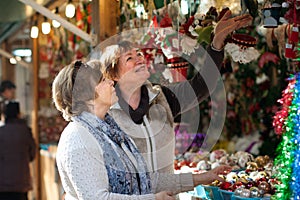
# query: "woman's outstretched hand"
212,175
227,25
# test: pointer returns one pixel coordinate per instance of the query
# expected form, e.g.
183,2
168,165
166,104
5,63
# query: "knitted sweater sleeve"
82,170
185,95
175,183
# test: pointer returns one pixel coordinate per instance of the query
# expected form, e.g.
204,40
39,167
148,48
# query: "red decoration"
281,115
263,179
226,186
182,163
237,185
166,21
187,25
268,57
295,34
243,40
193,164
289,51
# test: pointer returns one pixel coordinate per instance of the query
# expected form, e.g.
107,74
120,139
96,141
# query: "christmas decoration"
285,101
287,161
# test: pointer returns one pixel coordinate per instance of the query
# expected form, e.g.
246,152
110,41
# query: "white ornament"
241,55
188,45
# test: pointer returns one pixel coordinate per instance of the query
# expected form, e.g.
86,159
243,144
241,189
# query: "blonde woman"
95,158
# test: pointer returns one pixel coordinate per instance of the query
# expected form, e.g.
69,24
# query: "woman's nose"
139,59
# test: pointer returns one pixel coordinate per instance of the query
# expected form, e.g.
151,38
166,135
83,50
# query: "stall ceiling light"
34,33
70,10
46,27
55,23
22,52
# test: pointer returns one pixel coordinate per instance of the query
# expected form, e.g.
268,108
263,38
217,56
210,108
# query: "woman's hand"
212,175
227,25
164,195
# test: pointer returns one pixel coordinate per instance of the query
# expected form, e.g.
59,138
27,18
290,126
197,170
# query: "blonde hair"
74,87
109,58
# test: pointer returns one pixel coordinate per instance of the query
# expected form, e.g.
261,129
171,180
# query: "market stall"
249,122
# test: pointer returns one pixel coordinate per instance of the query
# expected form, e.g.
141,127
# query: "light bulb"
34,32
13,61
46,28
70,10
184,7
55,23
18,58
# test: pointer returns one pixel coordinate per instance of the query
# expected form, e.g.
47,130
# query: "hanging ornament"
188,45
271,16
241,48
268,57
289,51
295,34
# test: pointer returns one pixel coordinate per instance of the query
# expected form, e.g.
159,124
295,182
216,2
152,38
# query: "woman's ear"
115,78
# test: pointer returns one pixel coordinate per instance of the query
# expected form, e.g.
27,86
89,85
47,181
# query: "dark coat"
17,150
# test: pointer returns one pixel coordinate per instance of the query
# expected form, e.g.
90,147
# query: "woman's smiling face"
132,67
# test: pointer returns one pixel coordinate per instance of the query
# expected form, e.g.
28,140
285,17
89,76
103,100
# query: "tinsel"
295,184
287,149
285,101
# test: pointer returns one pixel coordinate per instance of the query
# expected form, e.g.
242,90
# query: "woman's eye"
129,58
140,54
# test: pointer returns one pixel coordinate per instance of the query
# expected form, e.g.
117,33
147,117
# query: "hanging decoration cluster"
286,123
291,47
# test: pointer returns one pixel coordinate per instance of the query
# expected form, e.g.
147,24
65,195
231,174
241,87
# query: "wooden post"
96,20
108,18
35,130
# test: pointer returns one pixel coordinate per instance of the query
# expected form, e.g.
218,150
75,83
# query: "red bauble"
183,163
226,186
237,185
258,181
193,164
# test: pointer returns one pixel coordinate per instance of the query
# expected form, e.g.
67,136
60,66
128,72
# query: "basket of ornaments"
251,177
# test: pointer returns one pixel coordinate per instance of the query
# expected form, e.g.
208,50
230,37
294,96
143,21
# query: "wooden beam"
8,70
8,56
